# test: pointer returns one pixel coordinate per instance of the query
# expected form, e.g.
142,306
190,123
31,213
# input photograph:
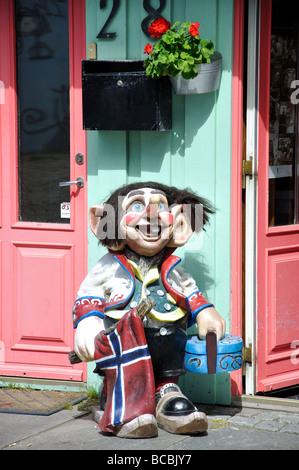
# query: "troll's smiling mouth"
149,231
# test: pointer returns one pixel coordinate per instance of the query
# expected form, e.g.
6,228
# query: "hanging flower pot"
207,80
190,62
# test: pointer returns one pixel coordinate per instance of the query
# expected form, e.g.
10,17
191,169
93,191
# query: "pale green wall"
196,153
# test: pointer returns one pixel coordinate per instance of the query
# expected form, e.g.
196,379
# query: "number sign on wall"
153,14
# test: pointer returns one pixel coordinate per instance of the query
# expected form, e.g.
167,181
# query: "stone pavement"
253,426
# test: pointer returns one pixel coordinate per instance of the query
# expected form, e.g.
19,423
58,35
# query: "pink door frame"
21,243
236,187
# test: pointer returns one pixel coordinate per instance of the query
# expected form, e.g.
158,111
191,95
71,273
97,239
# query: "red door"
43,232
277,203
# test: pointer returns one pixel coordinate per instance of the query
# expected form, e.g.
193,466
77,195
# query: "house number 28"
153,13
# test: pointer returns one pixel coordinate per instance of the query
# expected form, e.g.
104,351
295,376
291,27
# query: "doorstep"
42,384
265,403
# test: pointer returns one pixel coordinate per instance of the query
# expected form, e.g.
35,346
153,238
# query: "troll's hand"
210,319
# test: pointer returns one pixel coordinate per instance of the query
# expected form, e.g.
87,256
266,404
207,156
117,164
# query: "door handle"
79,182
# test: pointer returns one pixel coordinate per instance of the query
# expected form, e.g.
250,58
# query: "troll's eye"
161,206
137,207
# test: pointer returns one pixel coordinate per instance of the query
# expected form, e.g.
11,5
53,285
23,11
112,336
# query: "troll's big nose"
152,211
153,207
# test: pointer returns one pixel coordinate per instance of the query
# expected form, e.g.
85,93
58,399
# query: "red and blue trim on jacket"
92,306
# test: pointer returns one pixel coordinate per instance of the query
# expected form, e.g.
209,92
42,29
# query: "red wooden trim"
263,153
236,188
8,109
263,115
77,22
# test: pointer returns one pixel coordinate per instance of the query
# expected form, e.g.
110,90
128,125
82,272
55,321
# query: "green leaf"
185,66
206,55
191,73
173,70
186,46
206,43
167,38
206,52
175,25
199,59
162,59
186,25
184,55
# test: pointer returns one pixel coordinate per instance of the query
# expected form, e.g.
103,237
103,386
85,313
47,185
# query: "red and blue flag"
124,357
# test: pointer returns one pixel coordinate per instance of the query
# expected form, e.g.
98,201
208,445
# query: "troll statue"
142,357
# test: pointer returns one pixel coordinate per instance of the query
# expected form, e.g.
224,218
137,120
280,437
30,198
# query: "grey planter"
207,80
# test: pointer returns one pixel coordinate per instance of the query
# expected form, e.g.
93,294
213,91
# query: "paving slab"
230,428
14,427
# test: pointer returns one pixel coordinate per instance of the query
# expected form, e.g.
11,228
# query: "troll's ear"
103,225
182,228
95,215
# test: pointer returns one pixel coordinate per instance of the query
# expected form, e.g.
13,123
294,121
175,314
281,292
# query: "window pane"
43,108
283,114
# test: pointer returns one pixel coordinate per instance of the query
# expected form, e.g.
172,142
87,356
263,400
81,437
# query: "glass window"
283,139
42,51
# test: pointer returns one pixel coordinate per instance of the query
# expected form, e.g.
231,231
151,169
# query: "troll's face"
148,217
147,223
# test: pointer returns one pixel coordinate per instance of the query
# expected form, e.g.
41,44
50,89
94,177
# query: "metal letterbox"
117,95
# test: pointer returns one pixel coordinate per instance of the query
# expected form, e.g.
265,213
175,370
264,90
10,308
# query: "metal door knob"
79,182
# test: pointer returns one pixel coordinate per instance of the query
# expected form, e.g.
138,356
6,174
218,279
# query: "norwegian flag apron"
124,357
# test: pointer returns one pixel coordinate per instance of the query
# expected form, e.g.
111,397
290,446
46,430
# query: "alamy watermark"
150,223
2,352
295,94
2,94
295,354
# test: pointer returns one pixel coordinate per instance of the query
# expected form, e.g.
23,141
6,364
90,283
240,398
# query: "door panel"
33,280
277,216
44,249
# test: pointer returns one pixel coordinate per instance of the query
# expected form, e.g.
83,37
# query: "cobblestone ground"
280,421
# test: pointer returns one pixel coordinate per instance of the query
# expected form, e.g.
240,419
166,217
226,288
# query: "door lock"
79,158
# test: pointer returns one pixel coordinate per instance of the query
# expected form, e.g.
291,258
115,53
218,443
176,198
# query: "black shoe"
176,414
178,406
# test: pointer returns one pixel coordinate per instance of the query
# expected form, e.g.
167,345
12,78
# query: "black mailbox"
117,95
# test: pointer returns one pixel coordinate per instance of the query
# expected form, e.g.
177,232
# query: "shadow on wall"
196,110
146,150
198,268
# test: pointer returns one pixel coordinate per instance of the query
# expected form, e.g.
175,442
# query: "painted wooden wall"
196,153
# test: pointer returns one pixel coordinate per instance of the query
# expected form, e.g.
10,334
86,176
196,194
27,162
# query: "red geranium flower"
159,27
148,49
194,29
